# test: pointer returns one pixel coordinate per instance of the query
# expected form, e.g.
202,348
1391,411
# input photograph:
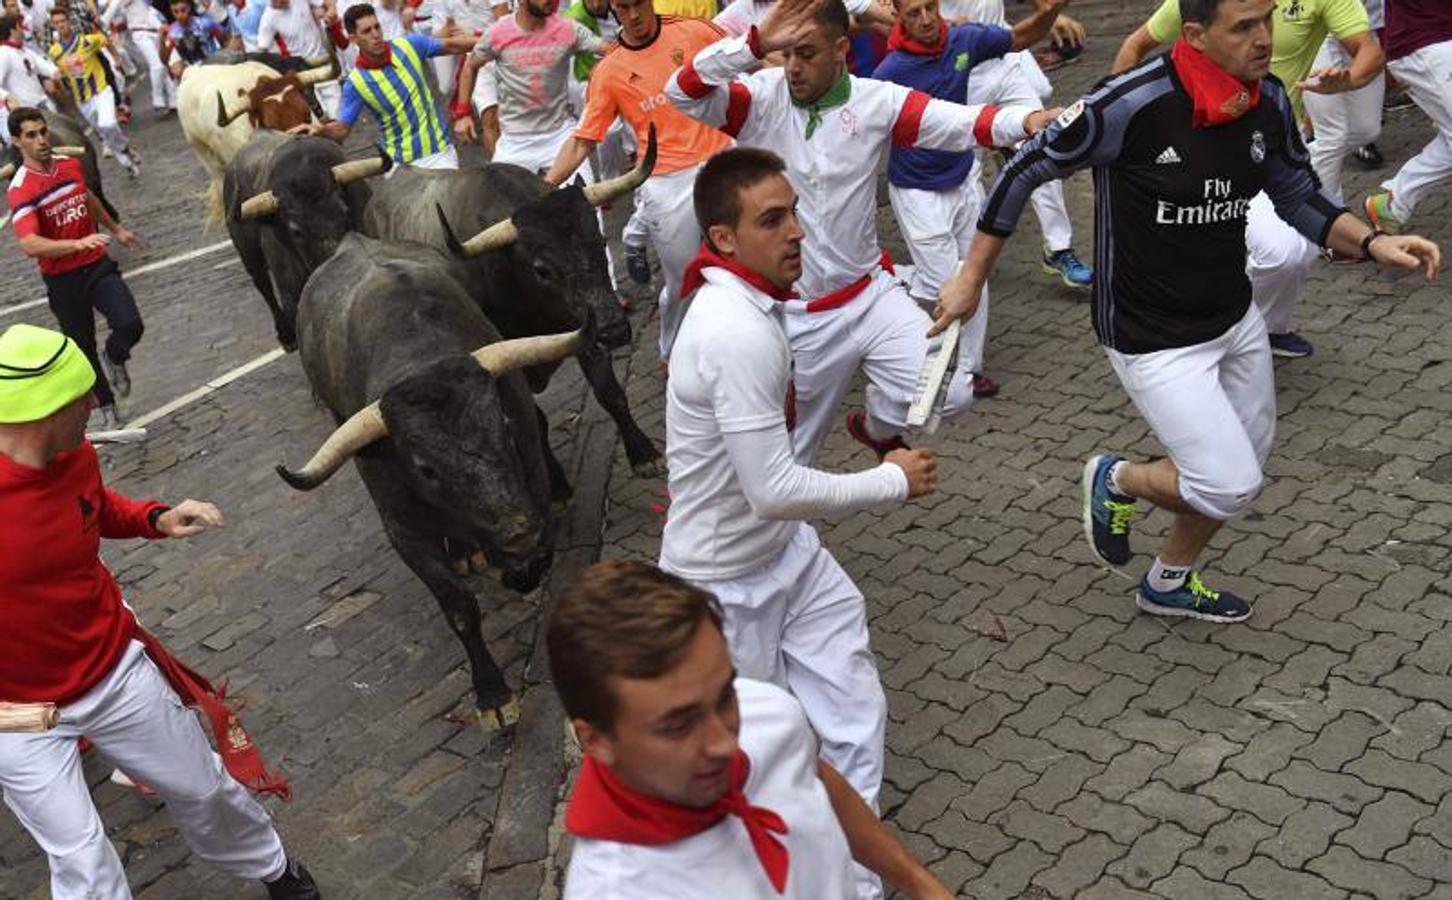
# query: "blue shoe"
1069,268
637,265
1290,345
1106,512
1192,600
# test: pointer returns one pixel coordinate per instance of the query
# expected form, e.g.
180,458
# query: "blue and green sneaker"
1193,600
1106,512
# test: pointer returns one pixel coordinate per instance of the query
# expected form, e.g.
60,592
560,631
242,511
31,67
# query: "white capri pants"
1017,80
163,89
801,624
1278,264
939,227
1342,122
137,722
1427,74
665,209
884,333
100,111
1213,408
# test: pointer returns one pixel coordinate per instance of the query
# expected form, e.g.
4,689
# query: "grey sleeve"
1088,133
1291,183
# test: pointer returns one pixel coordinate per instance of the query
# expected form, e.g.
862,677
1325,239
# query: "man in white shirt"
834,130
697,783
291,27
472,17
738,498
144,26
24,74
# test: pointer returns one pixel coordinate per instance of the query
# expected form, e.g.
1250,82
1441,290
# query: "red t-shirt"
64,623
1414,24
53,206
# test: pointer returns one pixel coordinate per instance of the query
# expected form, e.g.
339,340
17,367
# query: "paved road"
1046,740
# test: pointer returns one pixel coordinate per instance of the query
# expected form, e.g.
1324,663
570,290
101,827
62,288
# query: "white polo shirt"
730,375
296,27
719,862
20,74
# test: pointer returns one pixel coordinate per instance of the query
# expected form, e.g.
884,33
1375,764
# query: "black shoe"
1369,157
295,884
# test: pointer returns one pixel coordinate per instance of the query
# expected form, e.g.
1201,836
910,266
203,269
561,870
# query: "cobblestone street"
1046,739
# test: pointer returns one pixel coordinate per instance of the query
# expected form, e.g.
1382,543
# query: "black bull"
544,279
67,132
442,424
288,202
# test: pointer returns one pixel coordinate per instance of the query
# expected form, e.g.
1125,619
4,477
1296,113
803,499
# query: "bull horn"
520,353
257,206
72,152
361,429
607,191
7,171
322,70
227,112
358,169
500,234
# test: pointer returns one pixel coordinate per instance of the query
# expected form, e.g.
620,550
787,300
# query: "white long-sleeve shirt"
137,14
834,171
20,72
737,495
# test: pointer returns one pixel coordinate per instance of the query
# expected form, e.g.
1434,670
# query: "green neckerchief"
836,95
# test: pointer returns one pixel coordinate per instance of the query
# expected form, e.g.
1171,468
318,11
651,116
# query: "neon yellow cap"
40,372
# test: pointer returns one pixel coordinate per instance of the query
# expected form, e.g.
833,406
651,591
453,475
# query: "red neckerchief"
367,62
604,808
706,258
1219,97
899,40
15,42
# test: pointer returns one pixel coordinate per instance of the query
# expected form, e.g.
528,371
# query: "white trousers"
1427,74
100,111
1279,262
137,722
800,623
330,95
1341,122
163,91
1017,80
667,214
938,227
1213,408
536,151
883,332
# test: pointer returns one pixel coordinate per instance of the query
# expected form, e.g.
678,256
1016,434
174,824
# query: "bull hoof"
497,718
653,467
478,562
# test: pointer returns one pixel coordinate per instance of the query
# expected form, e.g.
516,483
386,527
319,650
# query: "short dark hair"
191,4
20,115
722,179
620,619
8,24
60,9
833,18
356,13
1199,11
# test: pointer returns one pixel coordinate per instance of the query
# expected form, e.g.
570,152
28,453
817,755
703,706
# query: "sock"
1114,484
1167,578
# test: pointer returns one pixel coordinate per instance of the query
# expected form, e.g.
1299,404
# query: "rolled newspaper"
27,717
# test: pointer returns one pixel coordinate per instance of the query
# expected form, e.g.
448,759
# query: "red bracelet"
459,111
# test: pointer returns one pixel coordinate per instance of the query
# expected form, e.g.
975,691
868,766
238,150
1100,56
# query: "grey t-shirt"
533,68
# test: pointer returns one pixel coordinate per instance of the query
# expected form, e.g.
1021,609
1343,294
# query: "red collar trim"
367,62
898,40
706,258
1218,96
602,807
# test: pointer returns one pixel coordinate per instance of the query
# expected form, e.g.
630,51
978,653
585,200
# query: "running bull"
68,139
536,266
289,200
433,407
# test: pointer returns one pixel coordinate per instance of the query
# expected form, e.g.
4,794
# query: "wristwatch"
1366,243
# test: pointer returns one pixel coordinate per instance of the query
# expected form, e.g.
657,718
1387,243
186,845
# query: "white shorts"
535,151
1213,408
486,88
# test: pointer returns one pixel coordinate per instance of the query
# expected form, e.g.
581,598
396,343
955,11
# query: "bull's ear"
579,181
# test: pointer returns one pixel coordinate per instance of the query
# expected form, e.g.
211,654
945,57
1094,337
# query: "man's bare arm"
572,152
873,845
1036,27
1133,51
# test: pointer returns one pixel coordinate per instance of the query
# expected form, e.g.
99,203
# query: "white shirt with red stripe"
835,171
295,31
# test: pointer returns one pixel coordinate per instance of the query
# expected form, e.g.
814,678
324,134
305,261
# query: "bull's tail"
212,200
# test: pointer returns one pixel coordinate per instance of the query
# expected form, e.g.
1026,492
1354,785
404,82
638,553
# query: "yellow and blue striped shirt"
398,94
79,60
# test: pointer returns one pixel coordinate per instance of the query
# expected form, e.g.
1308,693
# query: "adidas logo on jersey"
1168,157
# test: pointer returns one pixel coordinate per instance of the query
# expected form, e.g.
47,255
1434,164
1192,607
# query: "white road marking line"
215,384
141,270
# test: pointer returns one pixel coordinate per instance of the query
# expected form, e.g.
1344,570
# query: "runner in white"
698,783
292,28
143,32
534,53
472,17
26,77
738,18
739,500
833,130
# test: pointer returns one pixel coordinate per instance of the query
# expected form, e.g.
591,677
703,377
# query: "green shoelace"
1119,515
1199,590
836,95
